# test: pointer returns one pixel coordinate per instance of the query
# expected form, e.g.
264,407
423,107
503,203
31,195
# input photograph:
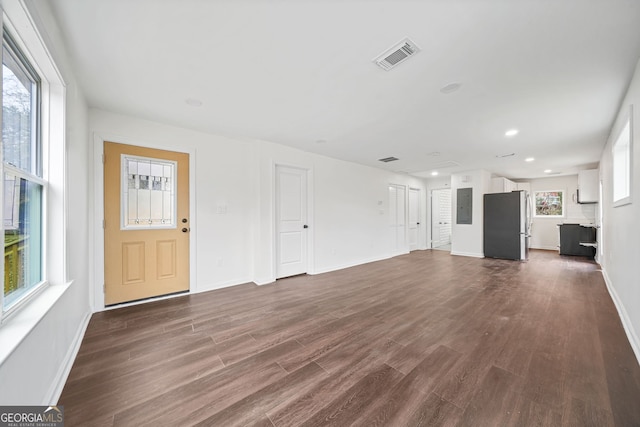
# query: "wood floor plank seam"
448,401
270,420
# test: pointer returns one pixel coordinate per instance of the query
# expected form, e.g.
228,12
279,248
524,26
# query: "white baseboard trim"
57,386
350,264
200,289
264,281
267,280
220,285
545,248
469,254
632,336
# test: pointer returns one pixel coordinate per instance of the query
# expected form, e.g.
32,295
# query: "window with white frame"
23,183
549,203
621,153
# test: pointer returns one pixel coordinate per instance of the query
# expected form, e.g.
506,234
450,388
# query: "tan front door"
146,212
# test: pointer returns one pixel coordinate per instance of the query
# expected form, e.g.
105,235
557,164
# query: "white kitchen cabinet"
588,191
502,185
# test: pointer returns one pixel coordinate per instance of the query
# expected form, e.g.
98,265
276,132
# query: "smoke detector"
397,54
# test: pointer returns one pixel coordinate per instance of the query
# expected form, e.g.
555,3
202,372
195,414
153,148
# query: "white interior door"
414,219
397,219
291,221
440,217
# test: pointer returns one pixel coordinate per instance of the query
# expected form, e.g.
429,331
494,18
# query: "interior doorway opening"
441,219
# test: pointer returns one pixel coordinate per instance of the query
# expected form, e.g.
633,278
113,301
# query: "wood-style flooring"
425,339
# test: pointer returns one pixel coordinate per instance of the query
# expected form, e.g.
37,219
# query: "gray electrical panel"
464,209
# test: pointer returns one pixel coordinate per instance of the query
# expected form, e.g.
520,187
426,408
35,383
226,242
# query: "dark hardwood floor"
426,339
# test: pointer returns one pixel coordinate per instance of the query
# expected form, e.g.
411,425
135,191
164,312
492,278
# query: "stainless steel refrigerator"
507,225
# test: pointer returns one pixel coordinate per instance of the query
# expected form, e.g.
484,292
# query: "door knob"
305,226
184,220
185,229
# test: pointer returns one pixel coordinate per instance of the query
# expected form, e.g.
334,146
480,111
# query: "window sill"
622,202
17,327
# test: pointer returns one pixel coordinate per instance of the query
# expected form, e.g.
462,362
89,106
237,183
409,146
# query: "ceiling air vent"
388,159
397,54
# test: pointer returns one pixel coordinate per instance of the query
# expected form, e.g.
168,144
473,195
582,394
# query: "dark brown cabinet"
571,237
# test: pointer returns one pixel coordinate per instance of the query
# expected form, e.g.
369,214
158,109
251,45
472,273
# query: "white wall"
351,226
348,226
468,239
620,226
35,371
544,231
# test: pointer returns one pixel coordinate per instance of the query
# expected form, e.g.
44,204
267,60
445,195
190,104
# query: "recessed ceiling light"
547,171
193,102
450,88
529,159
511,132
434,173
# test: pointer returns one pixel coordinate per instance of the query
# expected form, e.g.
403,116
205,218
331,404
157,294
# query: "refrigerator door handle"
529,211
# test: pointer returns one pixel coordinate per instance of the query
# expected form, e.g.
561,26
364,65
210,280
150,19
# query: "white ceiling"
297,72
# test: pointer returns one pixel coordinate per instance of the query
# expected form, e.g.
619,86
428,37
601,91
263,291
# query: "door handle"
305,226
185,230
